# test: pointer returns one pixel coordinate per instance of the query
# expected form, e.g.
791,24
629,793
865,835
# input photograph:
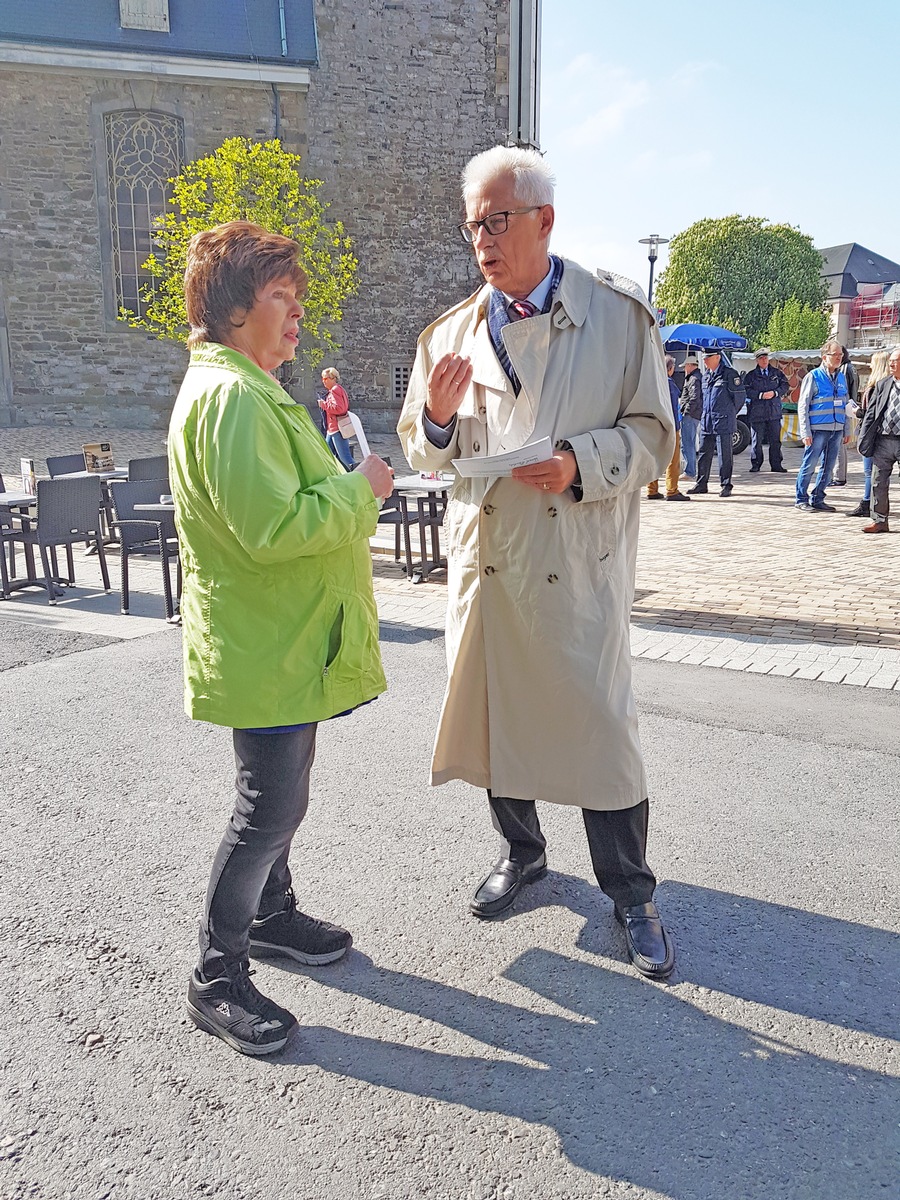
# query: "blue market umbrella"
709,337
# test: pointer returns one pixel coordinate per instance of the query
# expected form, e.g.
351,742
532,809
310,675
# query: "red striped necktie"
520,310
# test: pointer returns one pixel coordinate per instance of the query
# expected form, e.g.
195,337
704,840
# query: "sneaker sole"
268,950
252,1048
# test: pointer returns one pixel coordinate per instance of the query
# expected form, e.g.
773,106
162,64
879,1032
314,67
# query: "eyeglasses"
494,223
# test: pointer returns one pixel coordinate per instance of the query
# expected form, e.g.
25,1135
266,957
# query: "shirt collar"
538,297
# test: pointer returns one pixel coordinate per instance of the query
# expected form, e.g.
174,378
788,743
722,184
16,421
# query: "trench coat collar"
569,307
573,297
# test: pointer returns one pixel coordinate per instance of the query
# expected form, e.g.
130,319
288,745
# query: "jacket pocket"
352,650
590,532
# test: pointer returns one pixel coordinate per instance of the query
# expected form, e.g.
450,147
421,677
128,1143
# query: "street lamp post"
653,242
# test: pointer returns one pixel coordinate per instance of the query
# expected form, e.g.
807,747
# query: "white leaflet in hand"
351,426
502,464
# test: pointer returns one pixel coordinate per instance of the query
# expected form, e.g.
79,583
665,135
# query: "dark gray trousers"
250,872
617,841
885,453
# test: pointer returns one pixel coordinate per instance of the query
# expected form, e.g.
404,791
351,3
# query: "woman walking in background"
335,405
879,369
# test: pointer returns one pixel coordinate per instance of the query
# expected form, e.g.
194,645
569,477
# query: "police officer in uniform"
723,396
766,386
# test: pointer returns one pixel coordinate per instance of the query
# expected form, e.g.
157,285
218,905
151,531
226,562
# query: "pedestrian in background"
335,404
673,470
723,396
278,614
691,407
766,387
824,423
880,438
878,370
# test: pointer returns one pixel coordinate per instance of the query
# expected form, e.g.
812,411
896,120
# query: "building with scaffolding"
864,296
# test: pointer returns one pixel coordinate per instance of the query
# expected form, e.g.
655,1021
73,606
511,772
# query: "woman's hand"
379,475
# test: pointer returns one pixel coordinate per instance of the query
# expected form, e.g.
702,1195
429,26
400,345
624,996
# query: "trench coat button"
489,570
476,446
551,512
488,509
614,469
552,578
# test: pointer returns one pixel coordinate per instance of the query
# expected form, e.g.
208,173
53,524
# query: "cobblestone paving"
745,584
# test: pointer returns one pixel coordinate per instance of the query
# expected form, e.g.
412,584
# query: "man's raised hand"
447,383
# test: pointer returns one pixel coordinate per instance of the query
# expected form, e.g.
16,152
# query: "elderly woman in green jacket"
278,615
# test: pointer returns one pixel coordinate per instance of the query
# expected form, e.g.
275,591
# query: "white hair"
332,373
534,180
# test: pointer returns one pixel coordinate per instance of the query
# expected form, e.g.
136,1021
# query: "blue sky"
787,111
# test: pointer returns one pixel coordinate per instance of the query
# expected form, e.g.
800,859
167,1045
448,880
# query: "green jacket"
278,614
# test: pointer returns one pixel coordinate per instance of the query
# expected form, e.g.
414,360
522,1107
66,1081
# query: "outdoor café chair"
394,511
145,534
64,464
156,467
68,511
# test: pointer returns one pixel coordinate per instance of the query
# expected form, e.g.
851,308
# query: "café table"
116,473
431,501
10,500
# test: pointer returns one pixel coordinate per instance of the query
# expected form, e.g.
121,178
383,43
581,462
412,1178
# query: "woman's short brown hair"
226,268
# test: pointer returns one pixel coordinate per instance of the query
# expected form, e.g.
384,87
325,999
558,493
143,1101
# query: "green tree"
735,271
259,182
796,326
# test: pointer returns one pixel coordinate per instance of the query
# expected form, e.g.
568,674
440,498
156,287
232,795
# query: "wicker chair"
156,467
68,511
145,534
64,464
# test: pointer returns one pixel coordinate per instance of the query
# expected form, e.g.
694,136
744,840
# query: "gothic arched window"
143,151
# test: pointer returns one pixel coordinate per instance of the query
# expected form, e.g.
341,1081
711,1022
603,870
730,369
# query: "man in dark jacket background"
691,404
766,387
723,395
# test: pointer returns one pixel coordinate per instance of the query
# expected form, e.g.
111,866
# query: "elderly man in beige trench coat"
539,704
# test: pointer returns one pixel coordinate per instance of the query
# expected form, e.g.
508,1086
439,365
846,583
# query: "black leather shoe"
649,946
753,470
700,490
779,471
502,884
726,490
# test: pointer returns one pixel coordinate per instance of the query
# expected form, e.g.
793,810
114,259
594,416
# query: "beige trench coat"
539,704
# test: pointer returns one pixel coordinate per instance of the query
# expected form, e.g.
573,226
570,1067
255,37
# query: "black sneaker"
231,1008
823,507
293,933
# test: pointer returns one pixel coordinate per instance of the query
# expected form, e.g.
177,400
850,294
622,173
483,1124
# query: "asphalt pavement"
447,1059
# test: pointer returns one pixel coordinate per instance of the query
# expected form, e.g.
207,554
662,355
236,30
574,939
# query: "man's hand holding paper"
555,474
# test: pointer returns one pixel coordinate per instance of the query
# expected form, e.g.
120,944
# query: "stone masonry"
404,94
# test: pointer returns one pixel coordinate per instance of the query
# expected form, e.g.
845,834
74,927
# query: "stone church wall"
405,93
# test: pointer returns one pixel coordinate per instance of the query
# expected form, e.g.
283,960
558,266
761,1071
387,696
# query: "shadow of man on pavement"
642,1085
